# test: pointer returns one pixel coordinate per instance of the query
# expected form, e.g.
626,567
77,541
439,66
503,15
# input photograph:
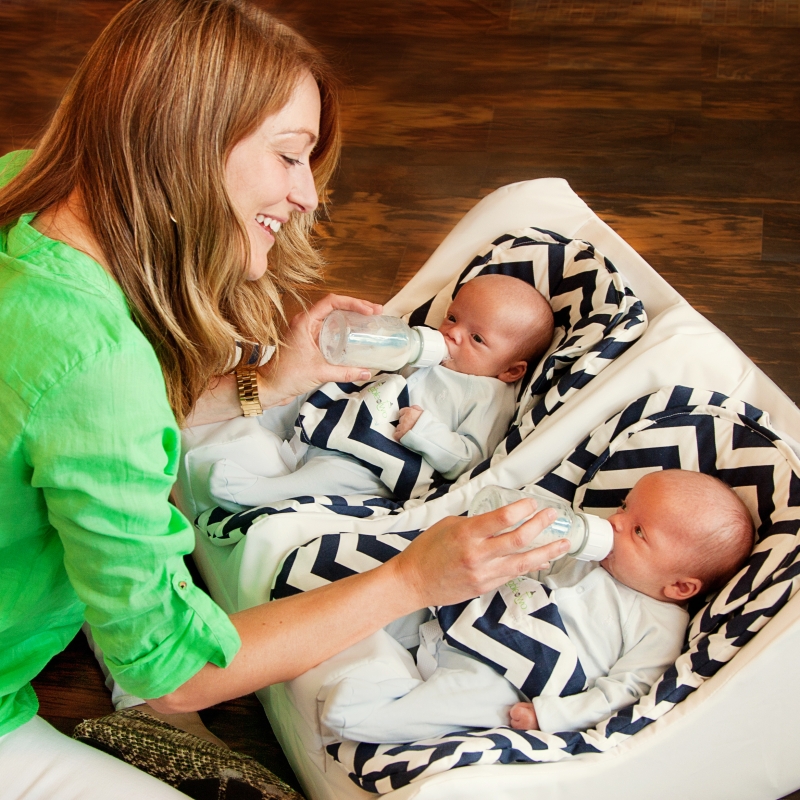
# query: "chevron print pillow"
597,318
675,427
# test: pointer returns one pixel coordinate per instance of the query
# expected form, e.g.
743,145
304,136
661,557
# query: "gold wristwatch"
247,381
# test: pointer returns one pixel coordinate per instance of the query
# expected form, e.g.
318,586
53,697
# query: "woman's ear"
514,372
683,589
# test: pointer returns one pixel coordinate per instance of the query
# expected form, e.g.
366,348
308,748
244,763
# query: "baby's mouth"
268,223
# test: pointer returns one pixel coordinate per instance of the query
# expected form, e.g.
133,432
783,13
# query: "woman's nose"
304,191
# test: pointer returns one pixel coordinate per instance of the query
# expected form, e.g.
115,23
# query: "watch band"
247,381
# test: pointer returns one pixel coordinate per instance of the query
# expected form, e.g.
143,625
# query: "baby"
458,412
677,534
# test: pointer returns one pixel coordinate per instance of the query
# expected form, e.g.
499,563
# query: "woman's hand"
457,559
460,558
300,367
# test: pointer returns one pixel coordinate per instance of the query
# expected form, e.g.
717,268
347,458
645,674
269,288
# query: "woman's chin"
257,271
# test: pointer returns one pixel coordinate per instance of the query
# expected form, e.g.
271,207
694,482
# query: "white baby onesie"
624,639
464,419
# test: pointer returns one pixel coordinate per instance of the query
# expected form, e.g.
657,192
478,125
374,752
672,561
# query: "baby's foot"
523,717
226,481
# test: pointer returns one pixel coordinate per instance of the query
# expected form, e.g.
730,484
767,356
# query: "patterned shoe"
197,768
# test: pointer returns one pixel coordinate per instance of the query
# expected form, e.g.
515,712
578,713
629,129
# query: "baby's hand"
408,419
523,717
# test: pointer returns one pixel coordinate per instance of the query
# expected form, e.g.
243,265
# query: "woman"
163,215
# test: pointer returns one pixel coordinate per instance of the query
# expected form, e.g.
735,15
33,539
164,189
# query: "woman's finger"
330,302
535,559
510,518
520,535
324,374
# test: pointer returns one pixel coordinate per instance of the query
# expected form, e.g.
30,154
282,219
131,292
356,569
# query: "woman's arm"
298,368
454,560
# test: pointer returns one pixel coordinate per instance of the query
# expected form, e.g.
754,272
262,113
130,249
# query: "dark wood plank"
747,55
752,100
683,228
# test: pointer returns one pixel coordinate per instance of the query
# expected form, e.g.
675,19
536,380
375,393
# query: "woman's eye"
639,532
292,162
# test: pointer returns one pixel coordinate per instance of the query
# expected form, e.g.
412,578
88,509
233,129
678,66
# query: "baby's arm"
523,717
483,419
653,635
407,420
448,452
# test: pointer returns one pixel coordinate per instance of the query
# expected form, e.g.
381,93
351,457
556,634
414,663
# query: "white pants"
382,695
39,763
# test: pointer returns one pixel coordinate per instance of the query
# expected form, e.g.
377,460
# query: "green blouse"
89,450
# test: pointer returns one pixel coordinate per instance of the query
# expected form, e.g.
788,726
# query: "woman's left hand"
300,367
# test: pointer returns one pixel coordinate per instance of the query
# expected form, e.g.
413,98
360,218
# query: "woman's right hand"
457,559
300,367
460,558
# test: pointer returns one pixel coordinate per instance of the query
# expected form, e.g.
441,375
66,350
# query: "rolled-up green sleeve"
104,447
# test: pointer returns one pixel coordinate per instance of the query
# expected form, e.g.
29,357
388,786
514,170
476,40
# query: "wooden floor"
678,121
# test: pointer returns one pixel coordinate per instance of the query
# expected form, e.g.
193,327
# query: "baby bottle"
381,342
591,538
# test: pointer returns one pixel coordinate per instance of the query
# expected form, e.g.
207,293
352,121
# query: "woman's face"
268,176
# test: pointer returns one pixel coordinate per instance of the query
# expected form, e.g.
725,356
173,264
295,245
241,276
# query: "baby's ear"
683,589
514,372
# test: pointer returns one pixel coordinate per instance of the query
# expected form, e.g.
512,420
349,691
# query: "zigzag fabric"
597,319
224,529
360,418
675,427
517,631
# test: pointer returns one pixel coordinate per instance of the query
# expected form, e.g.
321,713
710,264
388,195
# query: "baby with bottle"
619,622
456,413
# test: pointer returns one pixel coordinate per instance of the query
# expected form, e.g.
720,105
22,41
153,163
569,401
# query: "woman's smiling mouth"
269,224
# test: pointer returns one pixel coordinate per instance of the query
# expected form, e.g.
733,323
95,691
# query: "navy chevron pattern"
677,426
597,319
359,419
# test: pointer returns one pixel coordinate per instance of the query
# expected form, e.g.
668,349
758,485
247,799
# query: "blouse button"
181,584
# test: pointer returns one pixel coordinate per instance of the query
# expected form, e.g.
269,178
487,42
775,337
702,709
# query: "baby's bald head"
718,528
679,533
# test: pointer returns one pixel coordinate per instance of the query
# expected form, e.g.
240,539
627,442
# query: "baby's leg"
234,488
365,708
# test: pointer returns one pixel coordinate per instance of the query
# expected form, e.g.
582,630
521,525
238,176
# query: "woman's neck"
67,222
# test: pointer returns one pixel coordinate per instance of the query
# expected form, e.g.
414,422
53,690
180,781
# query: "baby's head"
678,534
495,325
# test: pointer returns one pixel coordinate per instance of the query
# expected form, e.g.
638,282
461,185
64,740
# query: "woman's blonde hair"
143,133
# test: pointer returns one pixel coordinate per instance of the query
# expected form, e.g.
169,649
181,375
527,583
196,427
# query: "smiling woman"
268,173
154,134
163,215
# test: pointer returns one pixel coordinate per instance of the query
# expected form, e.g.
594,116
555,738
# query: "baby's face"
480,337
650,547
